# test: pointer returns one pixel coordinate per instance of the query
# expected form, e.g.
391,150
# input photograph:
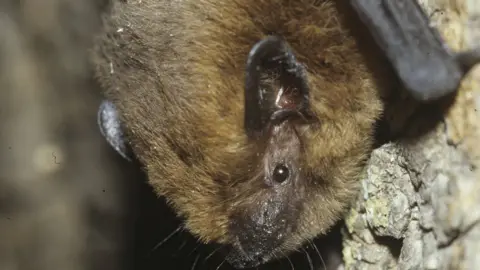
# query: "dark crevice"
423,119
394,245
458,234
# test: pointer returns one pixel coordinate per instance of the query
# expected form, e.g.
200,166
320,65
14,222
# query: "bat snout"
258,235
251,250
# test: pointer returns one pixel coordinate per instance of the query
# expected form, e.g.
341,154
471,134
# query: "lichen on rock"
419,205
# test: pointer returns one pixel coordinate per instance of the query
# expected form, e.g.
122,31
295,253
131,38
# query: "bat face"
276,111
255,130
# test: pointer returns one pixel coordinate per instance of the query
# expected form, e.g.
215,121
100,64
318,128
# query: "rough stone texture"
419,207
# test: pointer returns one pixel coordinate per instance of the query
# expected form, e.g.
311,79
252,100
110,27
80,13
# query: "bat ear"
275,85
110,128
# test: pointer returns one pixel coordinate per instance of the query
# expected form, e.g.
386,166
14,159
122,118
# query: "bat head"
298,175
276,108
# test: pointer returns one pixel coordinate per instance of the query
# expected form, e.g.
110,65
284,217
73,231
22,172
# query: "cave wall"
419,205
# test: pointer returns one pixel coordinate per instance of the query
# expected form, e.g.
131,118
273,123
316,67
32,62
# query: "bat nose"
240,259
257,237
245,253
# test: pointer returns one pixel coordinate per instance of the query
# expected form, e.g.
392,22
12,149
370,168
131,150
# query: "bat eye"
280,173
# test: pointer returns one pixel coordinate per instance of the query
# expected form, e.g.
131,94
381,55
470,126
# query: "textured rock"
419,207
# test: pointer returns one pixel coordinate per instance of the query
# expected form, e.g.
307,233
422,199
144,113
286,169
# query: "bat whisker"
182,245
289,261
195,262
318,253
220,265
195,248
309,259
282,256
211,254
179,228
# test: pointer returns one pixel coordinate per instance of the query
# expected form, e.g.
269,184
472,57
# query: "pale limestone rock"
423,197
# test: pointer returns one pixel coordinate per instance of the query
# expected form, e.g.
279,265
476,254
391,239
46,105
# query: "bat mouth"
240,258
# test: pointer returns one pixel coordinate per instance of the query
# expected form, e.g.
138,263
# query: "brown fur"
175,70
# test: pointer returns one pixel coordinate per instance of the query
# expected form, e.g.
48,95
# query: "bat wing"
416,50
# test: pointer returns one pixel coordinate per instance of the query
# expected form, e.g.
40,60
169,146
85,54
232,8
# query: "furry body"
175,70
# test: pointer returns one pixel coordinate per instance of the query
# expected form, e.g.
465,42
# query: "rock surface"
419,207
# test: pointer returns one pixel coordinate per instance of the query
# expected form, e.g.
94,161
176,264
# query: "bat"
255,119
425,65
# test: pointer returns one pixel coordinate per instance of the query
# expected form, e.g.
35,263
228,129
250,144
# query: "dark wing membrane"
416,51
